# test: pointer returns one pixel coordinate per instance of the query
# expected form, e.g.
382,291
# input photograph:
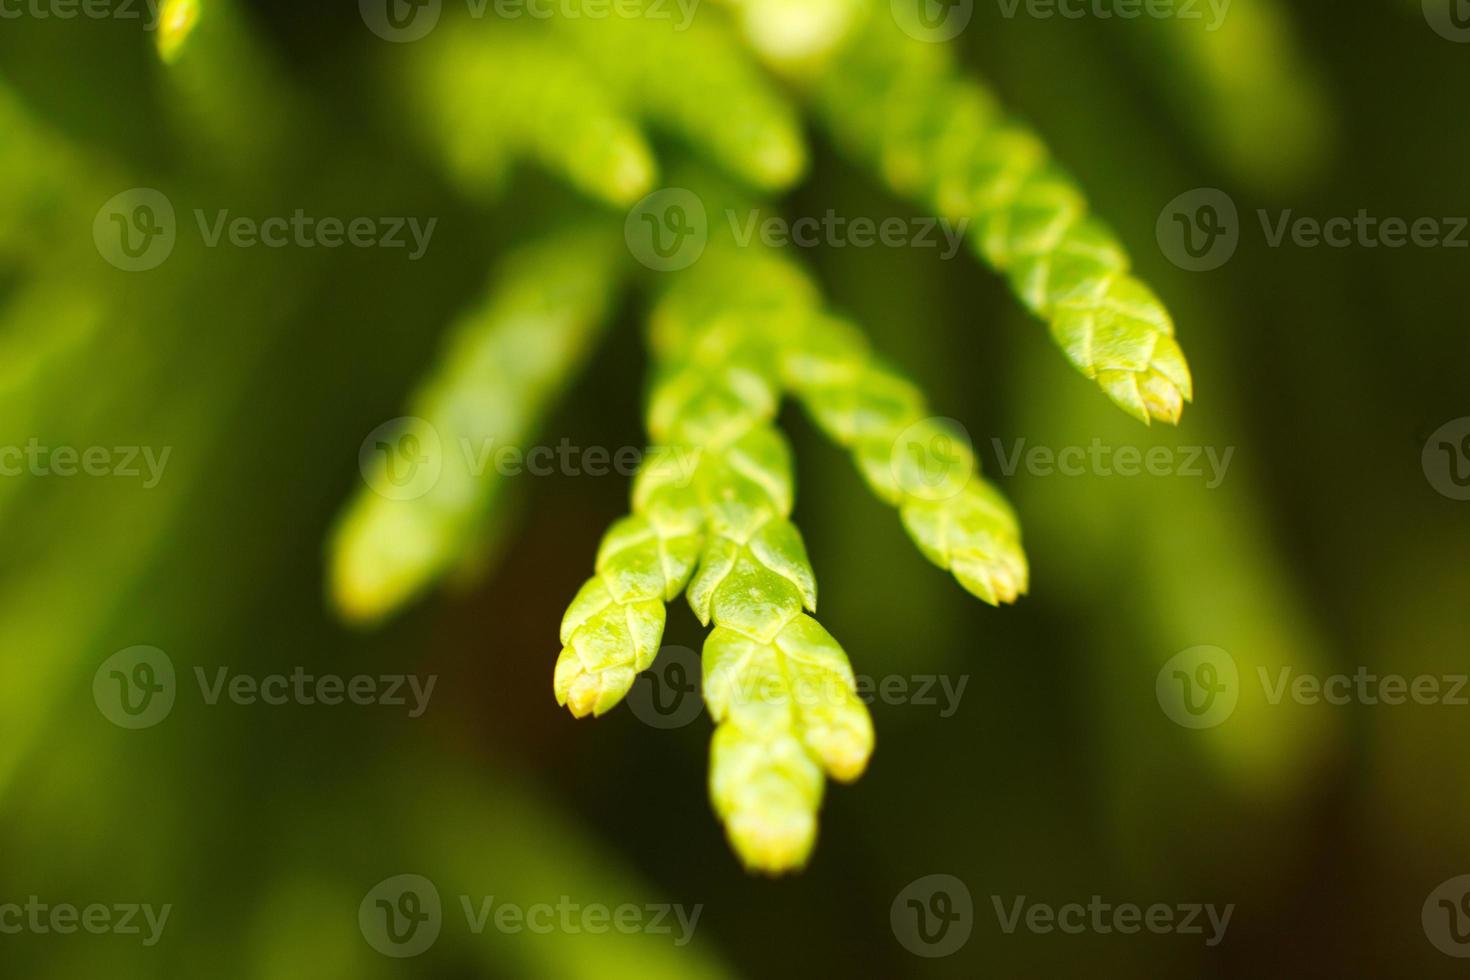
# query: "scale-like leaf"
944,141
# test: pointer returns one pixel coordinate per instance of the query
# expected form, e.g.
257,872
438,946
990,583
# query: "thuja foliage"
598,103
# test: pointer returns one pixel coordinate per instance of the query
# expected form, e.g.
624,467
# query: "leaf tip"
176,21
772,846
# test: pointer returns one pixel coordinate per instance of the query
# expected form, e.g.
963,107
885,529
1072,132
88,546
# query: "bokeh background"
1326,548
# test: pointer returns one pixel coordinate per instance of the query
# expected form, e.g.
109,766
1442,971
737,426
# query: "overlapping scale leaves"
779,687
496,95
910,459
692,78
576,94
729,336
943,140
613,628
710,513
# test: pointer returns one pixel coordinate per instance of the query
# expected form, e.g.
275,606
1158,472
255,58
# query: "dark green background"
1058,778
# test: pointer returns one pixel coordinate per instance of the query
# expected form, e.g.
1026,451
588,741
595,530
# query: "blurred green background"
1059,776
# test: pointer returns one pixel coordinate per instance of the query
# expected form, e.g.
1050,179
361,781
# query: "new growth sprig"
502,363
733,334
593,101
944,141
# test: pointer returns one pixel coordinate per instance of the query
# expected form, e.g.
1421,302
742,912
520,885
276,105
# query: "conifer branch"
176,20
1246,89
495,95
612,630
503,363
796,36
945,142
697,82
779,687
959,521
228,97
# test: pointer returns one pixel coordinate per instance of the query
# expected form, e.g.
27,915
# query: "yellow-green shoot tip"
176,21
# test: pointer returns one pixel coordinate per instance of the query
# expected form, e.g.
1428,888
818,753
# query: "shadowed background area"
1308,518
